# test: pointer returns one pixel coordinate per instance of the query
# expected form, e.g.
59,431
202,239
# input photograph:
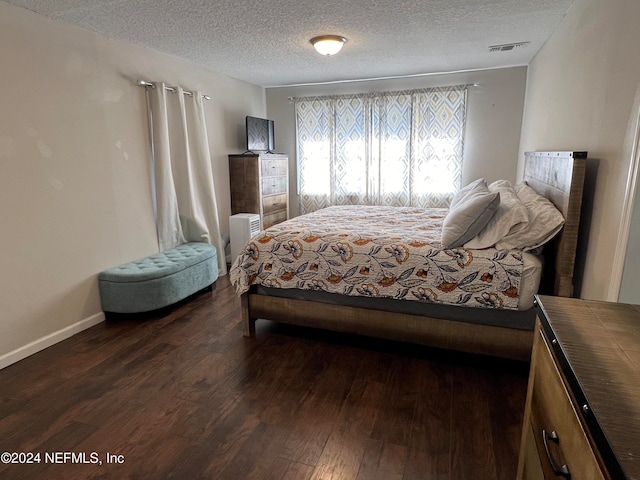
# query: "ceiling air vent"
507,46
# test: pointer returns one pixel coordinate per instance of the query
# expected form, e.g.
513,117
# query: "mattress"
530,282
384,252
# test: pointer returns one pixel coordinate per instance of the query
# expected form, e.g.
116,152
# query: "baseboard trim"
48,340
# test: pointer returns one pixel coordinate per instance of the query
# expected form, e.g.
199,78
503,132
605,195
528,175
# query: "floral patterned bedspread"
381,252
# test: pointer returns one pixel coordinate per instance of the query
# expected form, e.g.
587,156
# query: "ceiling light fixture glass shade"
328,44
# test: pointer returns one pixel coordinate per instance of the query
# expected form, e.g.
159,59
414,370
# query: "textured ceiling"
267,42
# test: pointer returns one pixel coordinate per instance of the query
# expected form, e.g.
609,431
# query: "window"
388,148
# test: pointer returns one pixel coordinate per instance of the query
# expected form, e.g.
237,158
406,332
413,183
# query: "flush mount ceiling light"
328,44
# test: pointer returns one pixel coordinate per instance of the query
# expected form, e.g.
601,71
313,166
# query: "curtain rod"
144,83
466,85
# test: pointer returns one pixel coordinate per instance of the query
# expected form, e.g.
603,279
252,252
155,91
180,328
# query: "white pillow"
545,221
510,218
464,191
469,215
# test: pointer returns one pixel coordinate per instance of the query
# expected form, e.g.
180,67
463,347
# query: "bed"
478,304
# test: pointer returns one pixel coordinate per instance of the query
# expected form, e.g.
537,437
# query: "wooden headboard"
559,176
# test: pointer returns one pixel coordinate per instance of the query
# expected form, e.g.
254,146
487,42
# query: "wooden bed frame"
559,176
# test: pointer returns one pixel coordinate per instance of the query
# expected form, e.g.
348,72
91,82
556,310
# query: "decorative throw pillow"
510,218
545,221
469,214
465,190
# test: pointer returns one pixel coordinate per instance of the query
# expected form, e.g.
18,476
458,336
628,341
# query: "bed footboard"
434,332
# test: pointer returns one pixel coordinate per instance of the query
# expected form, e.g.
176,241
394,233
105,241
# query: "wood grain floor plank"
393,425
341,457
298,471
429,450
333,373
263,446
472,454
506,415
361,407
64,440
383,461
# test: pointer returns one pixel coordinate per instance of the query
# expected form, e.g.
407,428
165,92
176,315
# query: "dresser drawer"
555,422
274,203
272,219
273,185
274,167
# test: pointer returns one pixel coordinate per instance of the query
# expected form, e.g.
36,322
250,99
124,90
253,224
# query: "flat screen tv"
260,134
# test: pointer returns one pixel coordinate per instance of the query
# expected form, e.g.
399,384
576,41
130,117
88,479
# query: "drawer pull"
563,470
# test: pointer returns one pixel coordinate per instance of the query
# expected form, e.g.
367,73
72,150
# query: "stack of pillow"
501,216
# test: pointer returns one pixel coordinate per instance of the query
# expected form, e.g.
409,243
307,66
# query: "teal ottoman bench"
158,280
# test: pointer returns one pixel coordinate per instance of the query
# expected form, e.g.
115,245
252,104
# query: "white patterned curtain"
185,201
387,148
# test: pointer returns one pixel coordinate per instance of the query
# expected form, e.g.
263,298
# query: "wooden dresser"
582,415
260,184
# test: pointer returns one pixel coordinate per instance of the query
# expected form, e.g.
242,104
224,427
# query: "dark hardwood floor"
183,395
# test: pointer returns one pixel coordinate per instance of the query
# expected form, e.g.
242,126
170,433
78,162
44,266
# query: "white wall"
494,116
582,91
74,187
